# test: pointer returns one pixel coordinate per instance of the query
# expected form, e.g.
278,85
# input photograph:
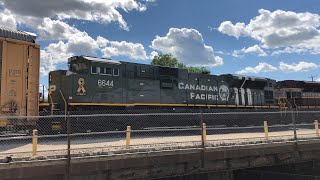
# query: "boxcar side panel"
1,45
13,92
33,81
3,75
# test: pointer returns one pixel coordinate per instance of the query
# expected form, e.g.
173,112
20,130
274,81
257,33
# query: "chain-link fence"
108,132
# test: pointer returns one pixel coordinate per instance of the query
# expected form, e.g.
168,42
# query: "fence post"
202,128
34,142
266,130
293,116
128,137
316,126
204,133
202,138
68,167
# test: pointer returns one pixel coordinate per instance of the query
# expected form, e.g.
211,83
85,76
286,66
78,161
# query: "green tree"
165,60
199,70
170,61
182,66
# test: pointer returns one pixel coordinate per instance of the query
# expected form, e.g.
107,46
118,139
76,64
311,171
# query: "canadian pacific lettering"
221,92
203,96
197,87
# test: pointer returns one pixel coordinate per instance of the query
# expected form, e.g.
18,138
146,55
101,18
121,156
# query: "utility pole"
312,78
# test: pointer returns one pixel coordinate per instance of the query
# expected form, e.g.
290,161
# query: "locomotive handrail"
288,102
65,104
51,100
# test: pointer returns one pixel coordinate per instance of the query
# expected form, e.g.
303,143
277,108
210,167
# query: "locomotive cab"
93,66
87,80
78,65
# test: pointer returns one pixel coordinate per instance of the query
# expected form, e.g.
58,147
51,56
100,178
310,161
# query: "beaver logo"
81,90
224,93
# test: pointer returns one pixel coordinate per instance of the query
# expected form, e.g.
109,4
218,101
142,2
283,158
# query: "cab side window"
116,72
105,71
108,71
95,70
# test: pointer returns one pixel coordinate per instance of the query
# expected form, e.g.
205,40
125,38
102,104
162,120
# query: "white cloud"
298,67
47,19
188,46
55,29
102,42
284,67
91,10
221,52
82,43
53,55
228,28
256,50
250,50
150,1
261,67
279,29
7,20
77,41
153,54
46,63
58,49
289,50
218,61
210,28
123,48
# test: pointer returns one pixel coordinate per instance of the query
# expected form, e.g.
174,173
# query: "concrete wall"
150,165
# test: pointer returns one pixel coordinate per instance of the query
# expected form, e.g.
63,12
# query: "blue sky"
275,39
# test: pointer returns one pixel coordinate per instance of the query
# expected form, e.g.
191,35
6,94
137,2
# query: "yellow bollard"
316,126
204,133
34,142
266,131
128,137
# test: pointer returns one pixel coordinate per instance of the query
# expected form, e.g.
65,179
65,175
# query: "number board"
105,83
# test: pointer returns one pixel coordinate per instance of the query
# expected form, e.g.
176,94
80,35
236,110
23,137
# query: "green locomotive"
92,82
